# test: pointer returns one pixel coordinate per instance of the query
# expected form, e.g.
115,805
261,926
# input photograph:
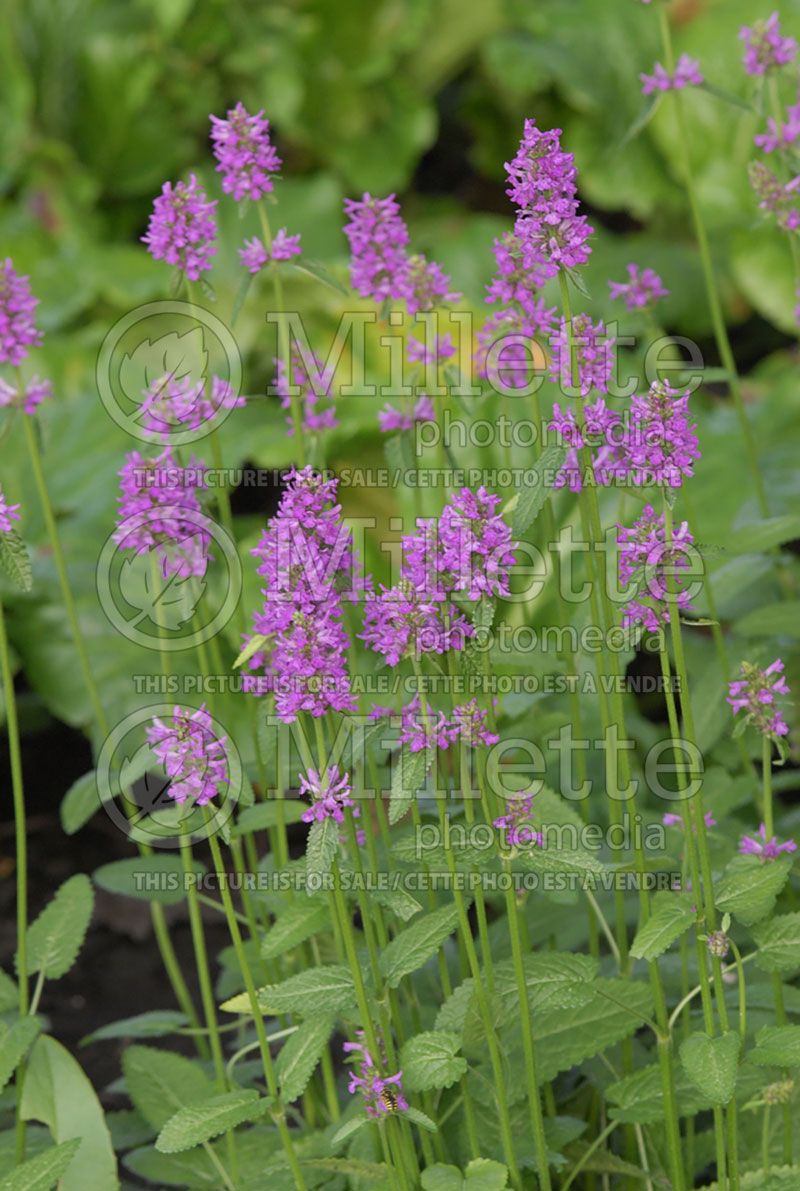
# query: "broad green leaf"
196,1123
776,1046
268,814
300,1054
55,937
348,1167
567,1036
533,496
79,803
453,1012
711,1064
778,943
409,773
771,620
330,986
348,1129
669,920
293,926
157,878
416,944
58,1093
15,560
575,861
763,535
159,1082
42,1172
430,1060
639,1098
442,1178
191,1168
750,887
322,845
421,1119
552,980
9,993
15,1042
155,1023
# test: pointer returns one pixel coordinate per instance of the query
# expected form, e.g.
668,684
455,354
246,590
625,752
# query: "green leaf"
58,1093
15,561
764,535
15,1042
421,1119
42,1172
80,802
639,1098
667,923
322,845
9,993
55,937
567,1036
300,1054
771,620
155,1023
776,1046
330,985
196,1123
416,944
750,888
778,943
253,645
348,1129
158,878
409,773
297,923
267,814
430,1060
532,498
575,861
711,1064
159,1082
352,1167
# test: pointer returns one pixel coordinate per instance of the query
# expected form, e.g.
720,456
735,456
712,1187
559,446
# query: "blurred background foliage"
104,100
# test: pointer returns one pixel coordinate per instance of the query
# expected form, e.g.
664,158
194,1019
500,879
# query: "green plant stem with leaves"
715,305
21,858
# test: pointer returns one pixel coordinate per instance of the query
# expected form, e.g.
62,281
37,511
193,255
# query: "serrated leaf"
155,1023
408,774
778,943
300,1054
44,1171
639,1097
55,937
668,921
421,1119
322,845
711,1064
567,1036
196,1123
293,926
15,1042
776,1046
157,878
574,861
532,497
453,1012
416,944
9,993
330,985
750,887
159,1082
430,1060
15,560
349,1129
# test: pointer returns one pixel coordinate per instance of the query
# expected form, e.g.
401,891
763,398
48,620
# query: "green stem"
284,352
715,306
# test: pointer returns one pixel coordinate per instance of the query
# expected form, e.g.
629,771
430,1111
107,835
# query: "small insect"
388,1099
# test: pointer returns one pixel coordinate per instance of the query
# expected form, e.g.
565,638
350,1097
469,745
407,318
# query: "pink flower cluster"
182,230
255,255
193,756
686,74
642,289
765,48
245,155
18,331
765,849
307,563
601,433
378,239
173,402
159,510
593,352
780,135
515,823
779,199
329,795
649,563
382,1094
312,385
27,396
8,513
661,442
754,692
468,724
505,349
390,418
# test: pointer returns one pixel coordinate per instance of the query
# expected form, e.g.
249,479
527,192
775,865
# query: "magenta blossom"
18,331
671,820
378,241
765,48
329,795
159,511
687,74
469,724
646,562
182,229
390,418
642,289
515,824
312,386
245,155
765,849
255,255
601,434
506,355
170,403
433,351
780,135
593,349
661,442
754,693
27,396
778,198
8,513
382,1094
193,756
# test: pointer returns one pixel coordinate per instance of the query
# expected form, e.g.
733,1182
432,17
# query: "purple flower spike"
314,385
382,1094
765,48
8,513
245,155
687,74
159,510
193,756
378,240
765,849
28,397
602,427
516,826
329,795
661,442
780,135
671,820
255,255
182,229
594,356
645,559
642,289
754,693
18,331
779,199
